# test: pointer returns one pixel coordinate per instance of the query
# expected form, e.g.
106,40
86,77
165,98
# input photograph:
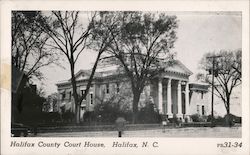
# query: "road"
216,132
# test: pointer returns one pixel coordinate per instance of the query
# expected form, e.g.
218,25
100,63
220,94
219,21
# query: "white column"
187,99
169,100
179,99
160,99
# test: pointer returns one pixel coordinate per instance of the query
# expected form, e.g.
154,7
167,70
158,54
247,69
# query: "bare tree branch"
227,77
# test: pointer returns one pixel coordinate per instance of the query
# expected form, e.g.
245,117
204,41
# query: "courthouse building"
171,91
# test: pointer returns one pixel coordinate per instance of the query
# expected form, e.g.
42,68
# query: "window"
198,109
117,87
201,95
63,96
91,98
82,93
70,95
203,110
107,88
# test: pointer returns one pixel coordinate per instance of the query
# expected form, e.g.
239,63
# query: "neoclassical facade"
171,91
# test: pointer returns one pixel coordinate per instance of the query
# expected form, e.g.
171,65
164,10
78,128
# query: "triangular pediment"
82,75
178,67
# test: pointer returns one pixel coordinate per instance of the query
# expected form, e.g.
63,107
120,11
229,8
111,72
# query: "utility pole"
212,100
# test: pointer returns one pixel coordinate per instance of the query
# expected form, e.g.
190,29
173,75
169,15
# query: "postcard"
125,77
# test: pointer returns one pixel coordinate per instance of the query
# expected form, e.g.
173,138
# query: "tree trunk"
136,99
91,76
228,105
229,121
75,95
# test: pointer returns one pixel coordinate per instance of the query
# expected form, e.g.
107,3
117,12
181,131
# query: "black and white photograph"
166,74
117,74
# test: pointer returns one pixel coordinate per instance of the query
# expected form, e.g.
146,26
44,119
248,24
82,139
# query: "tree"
117,105
71,38
139,41
29,50
227,73
237,63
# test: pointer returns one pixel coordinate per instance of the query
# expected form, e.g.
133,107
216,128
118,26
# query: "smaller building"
200,98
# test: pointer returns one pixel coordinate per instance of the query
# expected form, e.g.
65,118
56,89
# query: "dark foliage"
108,112
50,117
27,107
227,120
68,116
148,114
195,118
198,118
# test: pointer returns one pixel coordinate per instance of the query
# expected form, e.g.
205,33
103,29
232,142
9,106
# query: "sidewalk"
128,127
194,132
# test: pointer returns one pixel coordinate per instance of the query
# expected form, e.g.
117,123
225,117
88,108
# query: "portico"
173,97
173,92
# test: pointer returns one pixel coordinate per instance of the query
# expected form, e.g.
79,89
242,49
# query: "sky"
198,33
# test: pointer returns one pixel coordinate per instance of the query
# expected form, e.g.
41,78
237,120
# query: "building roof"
198,86
199,83
113,70
178,67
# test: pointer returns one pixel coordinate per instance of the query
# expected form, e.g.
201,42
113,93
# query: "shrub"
197,118
217,119
54,117
227,120
148,114
108,112
68,116
88,116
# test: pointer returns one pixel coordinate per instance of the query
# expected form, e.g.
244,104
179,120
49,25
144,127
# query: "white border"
166,145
